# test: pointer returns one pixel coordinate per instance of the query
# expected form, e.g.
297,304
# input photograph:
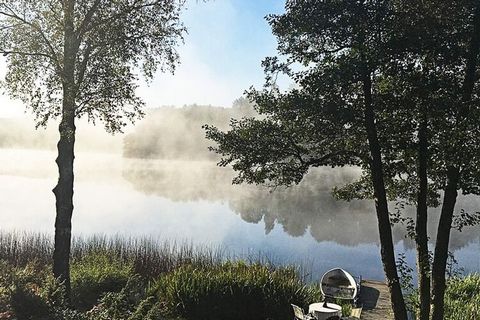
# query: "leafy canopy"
414,52
113,42
320,121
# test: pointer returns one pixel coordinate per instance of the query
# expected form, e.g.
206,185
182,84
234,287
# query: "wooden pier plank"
375,298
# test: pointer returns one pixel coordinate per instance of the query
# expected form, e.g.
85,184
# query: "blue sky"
226,41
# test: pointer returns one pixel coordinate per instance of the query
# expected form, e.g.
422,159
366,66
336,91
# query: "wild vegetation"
71,59
143,279
462,292
387,86
134,279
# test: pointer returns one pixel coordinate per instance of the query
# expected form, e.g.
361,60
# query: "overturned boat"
339,284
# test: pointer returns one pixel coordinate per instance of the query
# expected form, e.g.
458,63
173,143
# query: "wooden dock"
375,298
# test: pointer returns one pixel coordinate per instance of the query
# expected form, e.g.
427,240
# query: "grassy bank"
127,278
134,279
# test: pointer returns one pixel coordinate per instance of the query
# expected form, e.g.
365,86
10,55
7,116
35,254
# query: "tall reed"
150,257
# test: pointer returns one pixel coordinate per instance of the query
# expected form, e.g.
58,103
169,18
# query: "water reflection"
195,201
308,207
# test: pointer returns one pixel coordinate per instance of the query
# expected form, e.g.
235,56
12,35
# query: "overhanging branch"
13,15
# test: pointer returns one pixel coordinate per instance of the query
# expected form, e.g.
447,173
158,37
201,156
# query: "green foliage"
109,42
346,309
460,290
410,292
122,304
462,298
96,274
234,291
30,292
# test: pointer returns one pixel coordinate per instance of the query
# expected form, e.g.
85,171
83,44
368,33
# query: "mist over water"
182,195
195,201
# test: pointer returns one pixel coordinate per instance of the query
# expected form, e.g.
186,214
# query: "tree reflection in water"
307,207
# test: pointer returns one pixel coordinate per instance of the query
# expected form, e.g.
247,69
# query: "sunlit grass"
141,278
149,257
462,298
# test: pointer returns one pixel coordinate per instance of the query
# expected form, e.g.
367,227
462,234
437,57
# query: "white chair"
356,312
300,315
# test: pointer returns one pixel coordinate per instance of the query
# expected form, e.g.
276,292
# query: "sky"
220,59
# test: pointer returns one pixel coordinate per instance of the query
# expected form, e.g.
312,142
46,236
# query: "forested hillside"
176,133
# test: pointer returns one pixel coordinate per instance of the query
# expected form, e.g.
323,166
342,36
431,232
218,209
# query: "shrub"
234,291
30,292
96,274
462,298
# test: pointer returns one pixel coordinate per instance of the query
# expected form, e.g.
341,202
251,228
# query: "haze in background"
221,57
160,180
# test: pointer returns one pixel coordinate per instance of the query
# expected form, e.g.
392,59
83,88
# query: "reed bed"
145,278
150,257
149,279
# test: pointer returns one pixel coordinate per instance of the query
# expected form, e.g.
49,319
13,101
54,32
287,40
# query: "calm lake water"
196,202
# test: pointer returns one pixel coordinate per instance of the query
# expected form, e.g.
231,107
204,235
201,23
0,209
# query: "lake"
195,201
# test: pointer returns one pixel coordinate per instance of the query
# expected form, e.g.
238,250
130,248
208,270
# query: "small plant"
410,292
462,298
234,291
346,307
96,274
29,292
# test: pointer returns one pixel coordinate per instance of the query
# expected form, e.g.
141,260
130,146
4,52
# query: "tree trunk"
381,206
421,237
64,200
450,196
64,189
441,246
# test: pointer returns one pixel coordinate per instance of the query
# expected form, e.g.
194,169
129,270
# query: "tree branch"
321,161
82,29
134,7
23,53
15,16
83,66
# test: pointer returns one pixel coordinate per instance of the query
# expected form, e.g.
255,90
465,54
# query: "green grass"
234,291
462,298
143,279
94,275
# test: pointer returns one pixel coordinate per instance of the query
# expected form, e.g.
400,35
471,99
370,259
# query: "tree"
384,86
330,119
460,157
72,58
437,76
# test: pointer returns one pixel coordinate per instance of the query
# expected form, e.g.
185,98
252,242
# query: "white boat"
339,284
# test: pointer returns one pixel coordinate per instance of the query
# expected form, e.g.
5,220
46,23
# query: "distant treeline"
164,133
176,133
20,133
